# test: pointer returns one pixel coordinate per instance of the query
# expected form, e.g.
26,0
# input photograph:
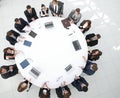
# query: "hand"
84,58
76,77
11,68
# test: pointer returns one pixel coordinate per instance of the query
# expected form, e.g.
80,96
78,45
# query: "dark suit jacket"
20,27
84,29
91,43
11,39
77,83
9,73
87,69
60,8
59,91
29,16
42,13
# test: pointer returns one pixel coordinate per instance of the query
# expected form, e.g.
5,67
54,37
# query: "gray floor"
105,20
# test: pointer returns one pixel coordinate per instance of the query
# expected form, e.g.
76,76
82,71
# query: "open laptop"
49,24
68,68
66,22
24,63
34,72
27,43
76,45
32,34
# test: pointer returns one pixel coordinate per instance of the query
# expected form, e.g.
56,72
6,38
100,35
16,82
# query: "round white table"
51,51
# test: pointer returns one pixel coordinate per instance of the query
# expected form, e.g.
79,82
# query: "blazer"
77,83
87,69
42,13
9,73
71,17
92,42
60,90
84,29
20,27
29,16
60,8
12,40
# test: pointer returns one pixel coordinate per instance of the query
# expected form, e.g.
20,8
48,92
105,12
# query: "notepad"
69,67
34,72
27,43
24,63
76,45
49,24
32,34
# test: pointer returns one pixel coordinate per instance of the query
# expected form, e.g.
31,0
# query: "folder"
27,43
24,63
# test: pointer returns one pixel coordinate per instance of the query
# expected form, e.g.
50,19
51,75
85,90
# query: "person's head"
88,22
66,94
54,1
28,7
97,52
17,21
9,33
2,71
84,87
98,36
42,6
7,50
22,86
94,67
77,11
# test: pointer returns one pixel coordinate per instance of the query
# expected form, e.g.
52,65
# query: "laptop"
49,24
24,63
27,43
68,68
66,23
34,72
76,45
32,34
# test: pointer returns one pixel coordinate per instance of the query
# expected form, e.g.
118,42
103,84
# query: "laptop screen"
32,34
76,45
34,72
49,24
68,67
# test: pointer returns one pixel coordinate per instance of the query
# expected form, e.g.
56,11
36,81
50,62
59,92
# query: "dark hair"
85,88
20,89
94,67
78,10
16,19
28,6
98,36
42,5
0,70
89,22
66,95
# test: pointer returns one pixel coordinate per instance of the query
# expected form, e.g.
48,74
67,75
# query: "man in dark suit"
20,23
30,13
56,8
8,71
80,84
92,39
90,68
12,36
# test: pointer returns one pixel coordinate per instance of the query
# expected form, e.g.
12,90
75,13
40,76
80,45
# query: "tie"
55,9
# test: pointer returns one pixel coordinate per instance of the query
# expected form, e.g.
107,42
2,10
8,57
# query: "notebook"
69,67
32,34
34,72
27,43
76,45
49,24
24,63
65,22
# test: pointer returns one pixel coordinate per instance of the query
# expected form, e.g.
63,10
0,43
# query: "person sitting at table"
85,25
92,39
63,91
30,13
80,84
24,85
44,11
90,68
94,55
75,15
9,53
8,71
44,91
13,37
20,23
56,8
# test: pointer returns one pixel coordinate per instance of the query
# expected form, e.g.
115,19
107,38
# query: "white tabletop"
51,52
